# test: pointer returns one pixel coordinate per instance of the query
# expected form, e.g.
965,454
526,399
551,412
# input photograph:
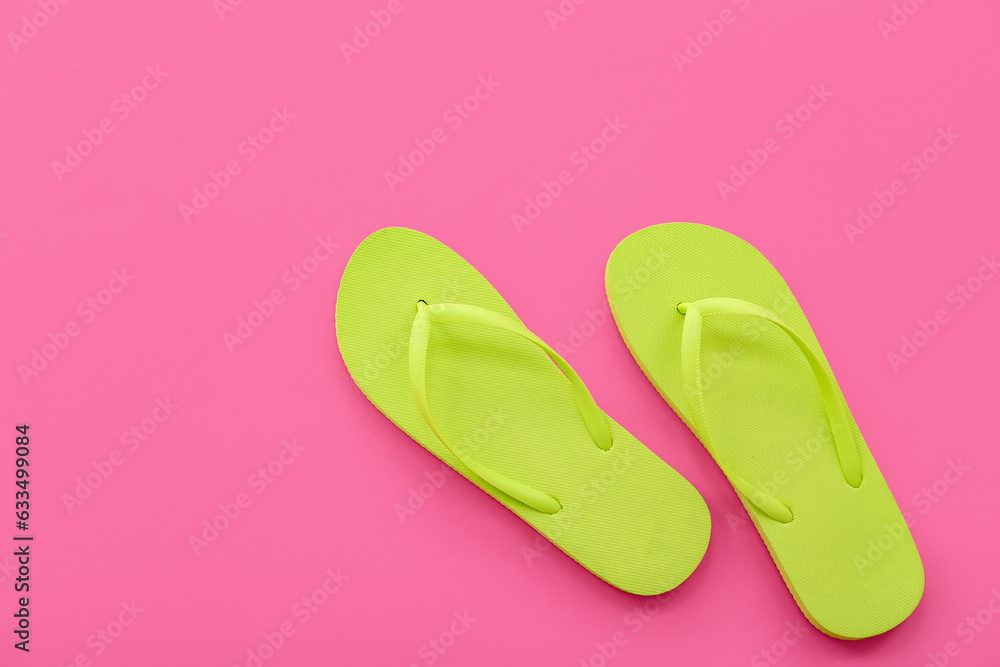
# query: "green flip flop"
719,334
434,346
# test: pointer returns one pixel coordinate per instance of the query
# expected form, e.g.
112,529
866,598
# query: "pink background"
63,234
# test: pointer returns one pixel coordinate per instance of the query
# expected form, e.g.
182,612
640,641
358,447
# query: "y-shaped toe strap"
454,312
847,453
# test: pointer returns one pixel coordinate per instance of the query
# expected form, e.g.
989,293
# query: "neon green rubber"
719,334
497,399
419,343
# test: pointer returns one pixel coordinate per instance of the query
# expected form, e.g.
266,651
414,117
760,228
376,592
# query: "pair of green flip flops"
719,334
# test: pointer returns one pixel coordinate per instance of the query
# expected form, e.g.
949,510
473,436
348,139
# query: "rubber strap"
847,453
454,312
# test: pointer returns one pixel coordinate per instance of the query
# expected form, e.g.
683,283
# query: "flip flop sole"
848,556
626,516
